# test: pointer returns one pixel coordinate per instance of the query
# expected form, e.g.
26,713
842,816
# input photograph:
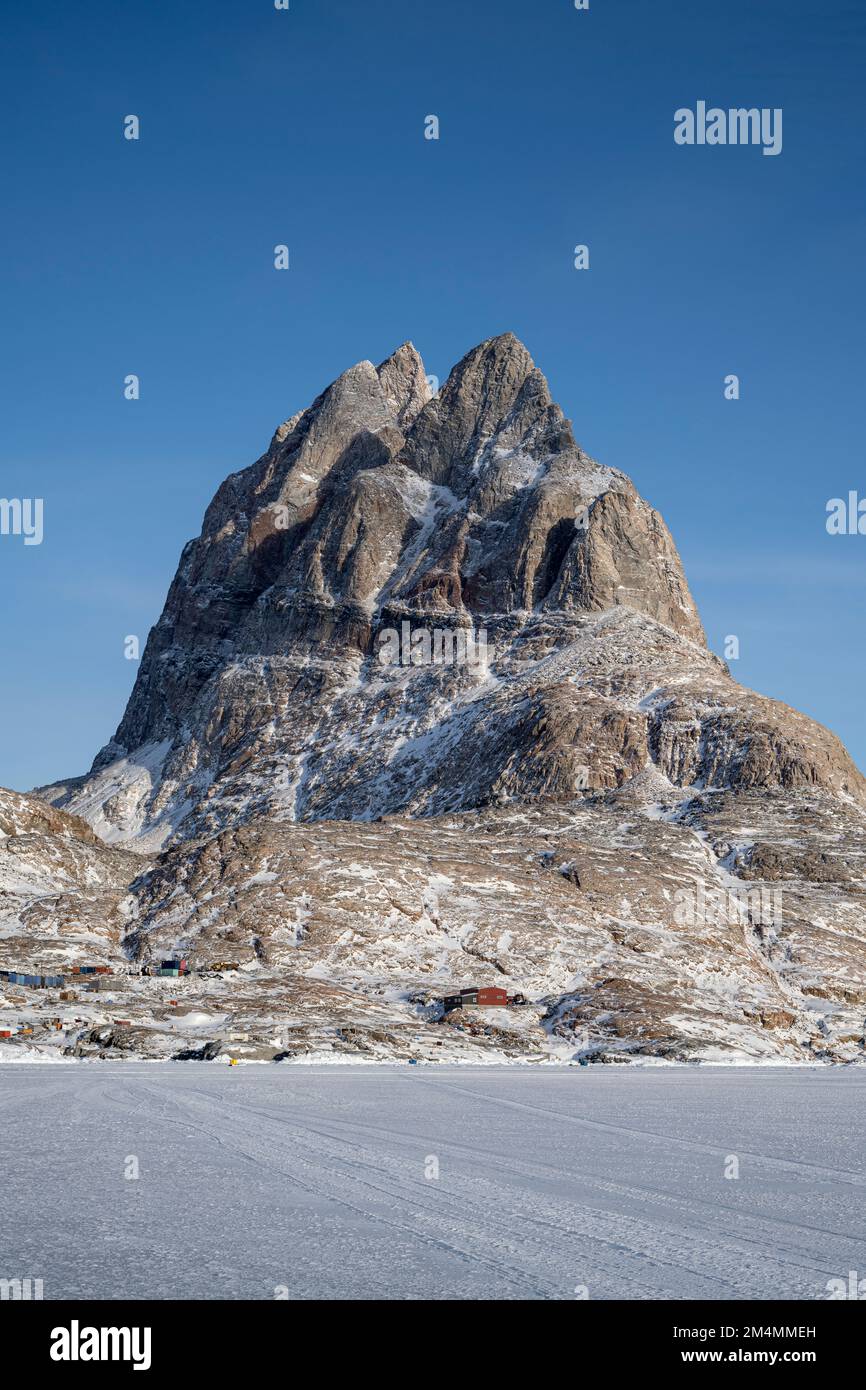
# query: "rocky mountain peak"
404,384
494,397
430,704
382,511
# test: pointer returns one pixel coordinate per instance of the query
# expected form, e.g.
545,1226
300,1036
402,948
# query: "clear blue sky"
306,127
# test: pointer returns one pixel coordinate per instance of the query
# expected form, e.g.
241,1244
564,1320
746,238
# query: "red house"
486,997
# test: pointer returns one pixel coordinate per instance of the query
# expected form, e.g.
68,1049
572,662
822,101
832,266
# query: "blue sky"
306,127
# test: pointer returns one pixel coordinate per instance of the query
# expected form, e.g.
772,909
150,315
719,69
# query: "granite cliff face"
430,704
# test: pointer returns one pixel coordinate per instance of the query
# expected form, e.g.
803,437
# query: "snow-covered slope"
61,888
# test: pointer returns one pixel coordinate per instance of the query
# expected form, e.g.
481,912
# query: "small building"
493,996
18,977
176,966
486,997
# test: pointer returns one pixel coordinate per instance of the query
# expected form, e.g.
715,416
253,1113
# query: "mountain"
261,689
430,700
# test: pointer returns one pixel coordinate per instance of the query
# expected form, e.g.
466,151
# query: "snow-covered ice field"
321,1181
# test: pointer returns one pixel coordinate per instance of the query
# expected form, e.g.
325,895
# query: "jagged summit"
494,393
262,688
404,383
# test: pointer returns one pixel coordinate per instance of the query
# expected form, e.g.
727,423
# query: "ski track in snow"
313,1180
